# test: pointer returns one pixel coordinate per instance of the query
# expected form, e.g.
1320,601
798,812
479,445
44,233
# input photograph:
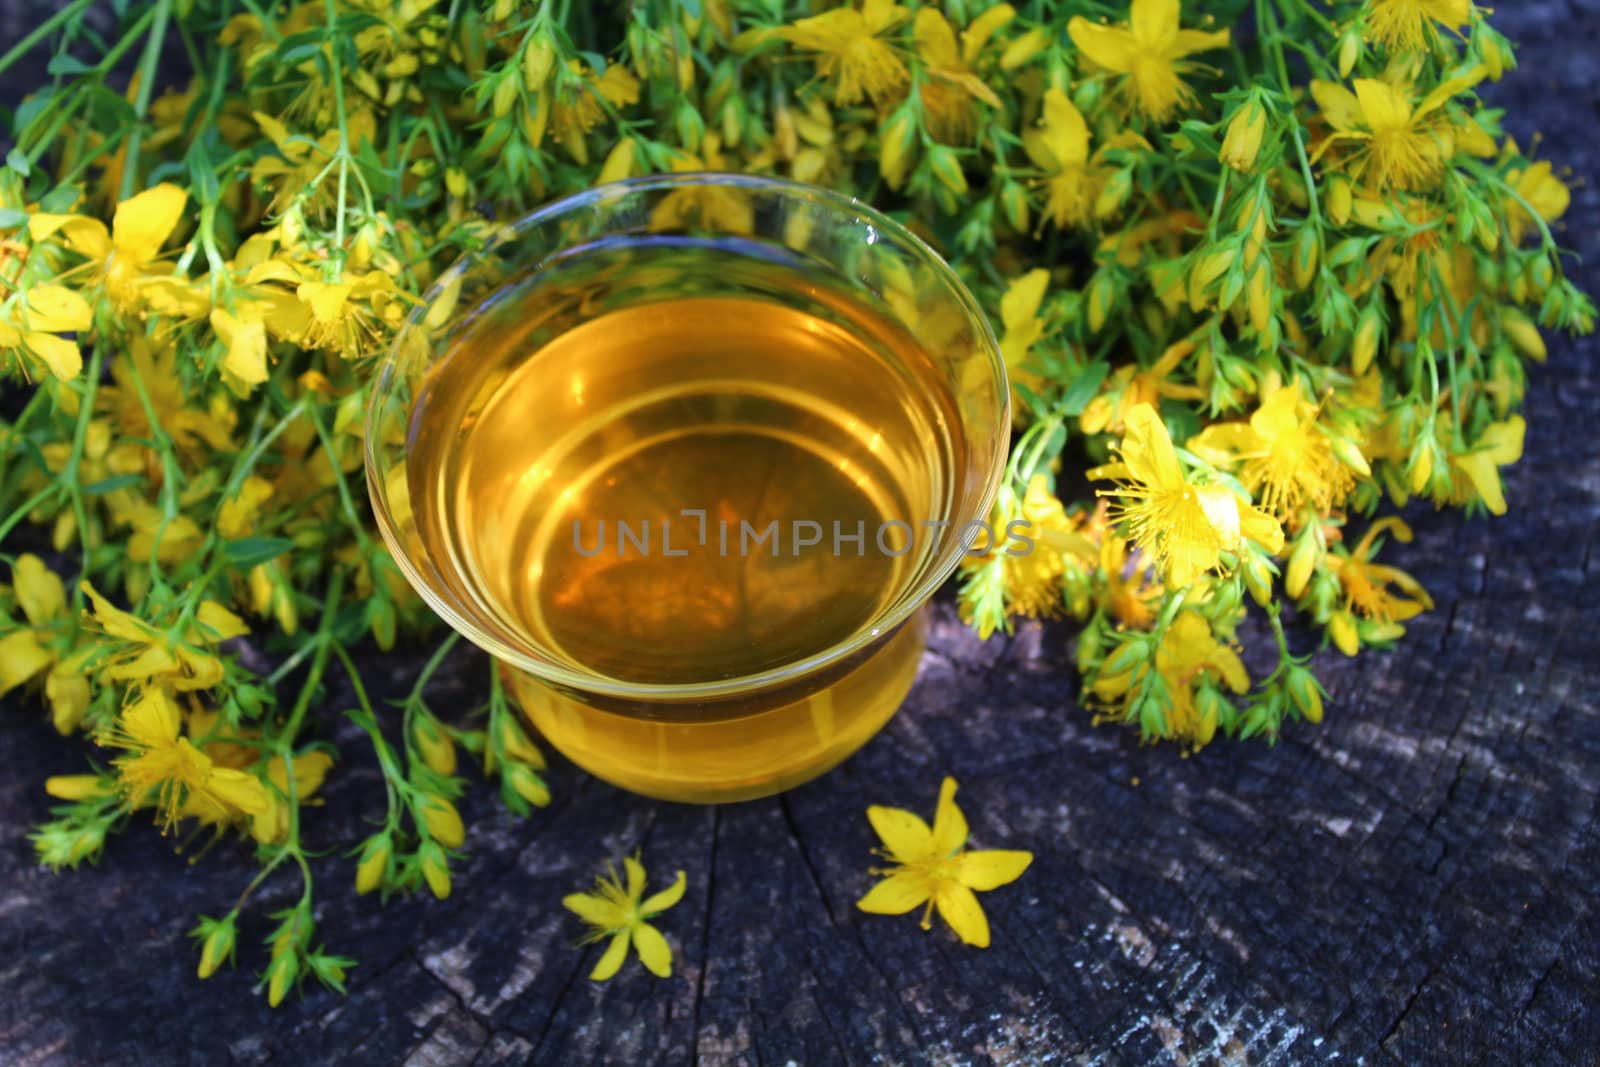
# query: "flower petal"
636,877
905,835
962,911
1154,23
949,825
1382,105
143,223
611,961
593,909
1339,105
57,309
238,790
1221,509
1109,46
39,591
666,898
1147,449
57,353
1066,136
992,868
1188,42
21,657
654,952
895,895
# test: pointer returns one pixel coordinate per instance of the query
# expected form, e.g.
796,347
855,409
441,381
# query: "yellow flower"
617,912
30,321
349,317
1476,474
1060,148
147,371
1131,385
33,650
1132,590
934,868
1242,141
1149,51
1022,326
851,52
1547,194
244,336
1406,25
167,771
1184,526
150,655
581,101
271,823
1033,577
128,253
1397,146
1287,458
1366,584
1189,654
949,88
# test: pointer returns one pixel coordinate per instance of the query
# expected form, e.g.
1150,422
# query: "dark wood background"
1412,882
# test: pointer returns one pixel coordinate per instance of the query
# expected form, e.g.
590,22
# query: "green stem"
41,31
141,106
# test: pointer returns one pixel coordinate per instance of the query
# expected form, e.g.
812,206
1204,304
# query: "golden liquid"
631,383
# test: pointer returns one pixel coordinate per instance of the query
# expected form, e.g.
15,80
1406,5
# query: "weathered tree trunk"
1412,882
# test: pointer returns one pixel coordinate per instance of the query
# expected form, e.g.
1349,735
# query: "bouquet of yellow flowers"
1263,270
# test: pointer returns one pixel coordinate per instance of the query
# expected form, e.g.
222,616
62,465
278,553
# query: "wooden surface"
1414,882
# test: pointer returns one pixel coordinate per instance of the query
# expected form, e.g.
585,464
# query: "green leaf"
68,66
18,162
112,484
1084,388
248,551
11,218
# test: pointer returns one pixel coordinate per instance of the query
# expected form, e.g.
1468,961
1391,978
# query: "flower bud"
1304,692
896,144
1306,248
435,869
443,821
1258,579
1113,194
1523,334
374,864
946,167
281,973
1102,293
528,785
1349,51
1366,342
1340,200
1024,48
1301,563
619,163
518,747
1014,202
217,947
77,786
1258,300
1127,656
505,96
435,746
537,62
1348,452
1342,629
1242,141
